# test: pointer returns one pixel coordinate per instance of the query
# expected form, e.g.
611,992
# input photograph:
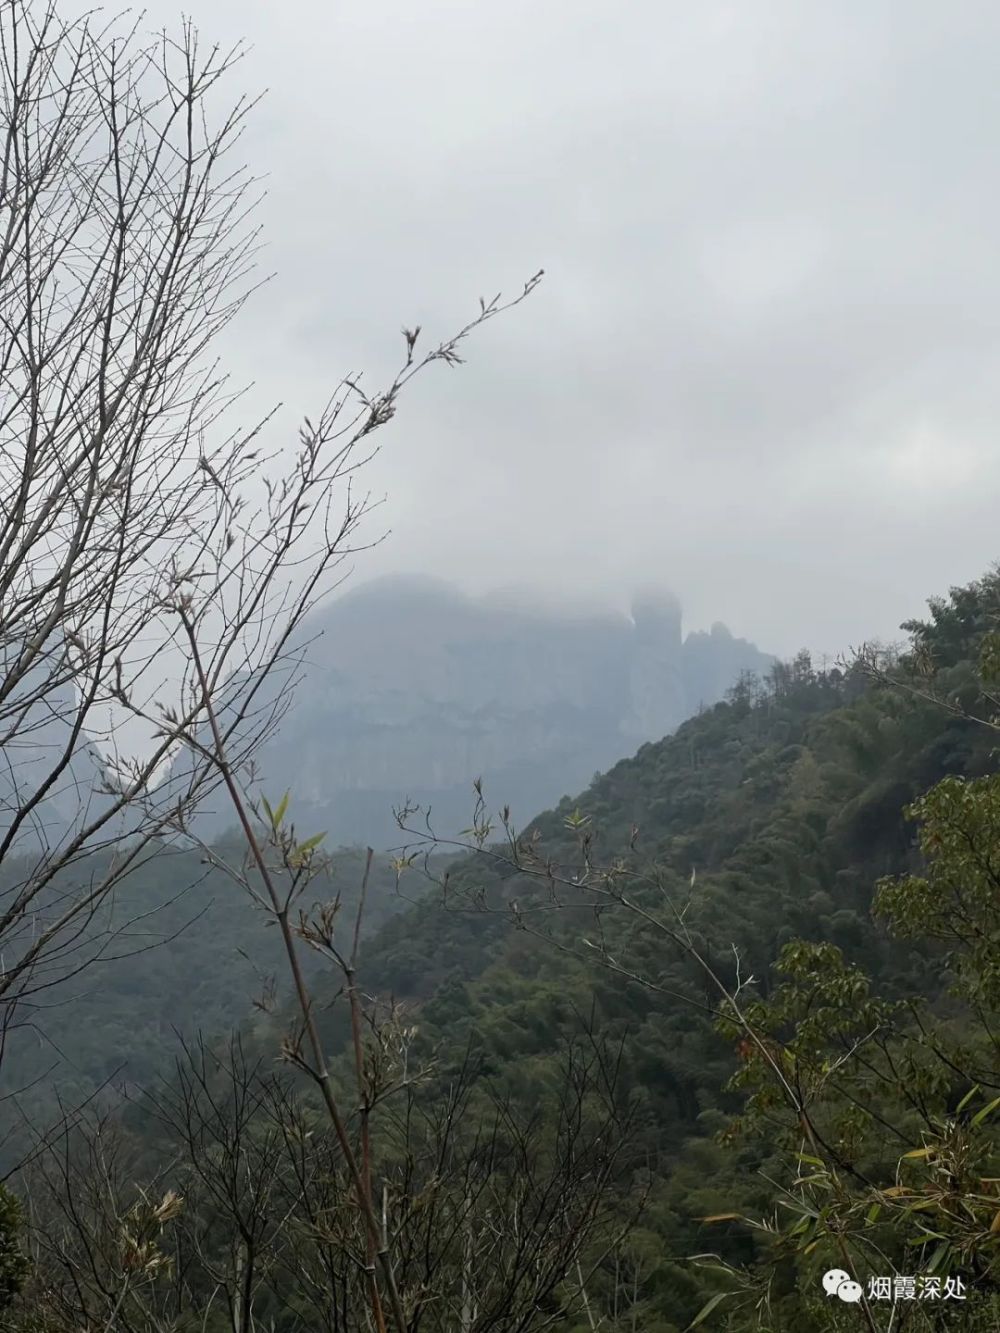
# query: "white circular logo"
839,1283
833,1279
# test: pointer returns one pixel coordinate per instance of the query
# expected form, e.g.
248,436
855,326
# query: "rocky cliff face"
414,690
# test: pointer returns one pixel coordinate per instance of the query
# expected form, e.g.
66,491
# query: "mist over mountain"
412,690
52,776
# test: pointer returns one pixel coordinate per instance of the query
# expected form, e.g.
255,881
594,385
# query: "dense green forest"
183,951
723,1024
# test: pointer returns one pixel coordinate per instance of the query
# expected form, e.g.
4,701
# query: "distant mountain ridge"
37,723
414,689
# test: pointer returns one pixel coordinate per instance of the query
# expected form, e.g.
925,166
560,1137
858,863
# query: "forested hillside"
719,1026
408,923
767,820
184,952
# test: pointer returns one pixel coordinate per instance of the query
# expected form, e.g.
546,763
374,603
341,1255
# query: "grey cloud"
763,364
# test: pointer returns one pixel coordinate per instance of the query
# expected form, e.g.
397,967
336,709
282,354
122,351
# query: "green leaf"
279,814
937,1258
800,1206
304,848
707,1309
987,1110
967,1098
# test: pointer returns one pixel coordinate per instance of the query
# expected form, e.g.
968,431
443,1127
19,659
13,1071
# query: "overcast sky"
764,364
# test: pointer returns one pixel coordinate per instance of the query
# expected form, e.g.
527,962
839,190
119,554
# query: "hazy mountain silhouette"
51,777
414,689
